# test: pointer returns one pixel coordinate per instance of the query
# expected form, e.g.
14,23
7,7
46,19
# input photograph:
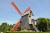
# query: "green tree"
42,24
3,26
48,24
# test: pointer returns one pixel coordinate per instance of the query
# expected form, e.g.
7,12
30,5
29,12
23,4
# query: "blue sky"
40,8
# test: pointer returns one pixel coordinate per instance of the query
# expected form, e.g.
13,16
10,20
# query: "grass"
26,32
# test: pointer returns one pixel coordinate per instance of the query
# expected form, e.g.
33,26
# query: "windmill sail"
14,5
28,9
16,26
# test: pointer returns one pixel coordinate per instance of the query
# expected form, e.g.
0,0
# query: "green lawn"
26,32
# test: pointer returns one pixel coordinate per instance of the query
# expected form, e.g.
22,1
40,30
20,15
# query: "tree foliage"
43,24
5,27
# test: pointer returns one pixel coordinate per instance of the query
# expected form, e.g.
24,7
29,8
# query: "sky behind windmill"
40,8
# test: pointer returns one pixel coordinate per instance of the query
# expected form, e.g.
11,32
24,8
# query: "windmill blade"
14,5
27,10
16,26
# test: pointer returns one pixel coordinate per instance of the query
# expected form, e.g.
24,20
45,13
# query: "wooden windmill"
24,18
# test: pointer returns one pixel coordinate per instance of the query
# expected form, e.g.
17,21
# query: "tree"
42,24
3,26
48,24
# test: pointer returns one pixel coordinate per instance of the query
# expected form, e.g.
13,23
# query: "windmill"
25,18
